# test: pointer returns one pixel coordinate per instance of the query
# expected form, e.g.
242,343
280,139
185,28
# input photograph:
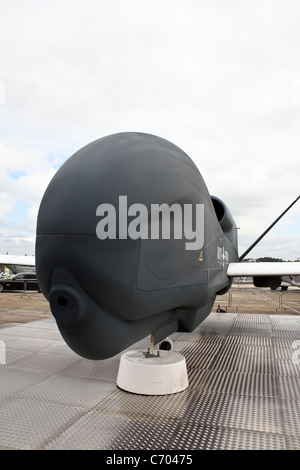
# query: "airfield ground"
17,307
244,383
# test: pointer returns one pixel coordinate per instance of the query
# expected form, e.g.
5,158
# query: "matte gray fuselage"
106,294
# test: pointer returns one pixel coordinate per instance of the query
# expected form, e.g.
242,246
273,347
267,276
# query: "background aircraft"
290,281
18,264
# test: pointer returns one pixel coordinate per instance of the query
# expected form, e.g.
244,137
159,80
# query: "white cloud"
219,79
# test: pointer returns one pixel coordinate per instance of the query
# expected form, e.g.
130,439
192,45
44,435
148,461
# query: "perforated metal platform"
244,391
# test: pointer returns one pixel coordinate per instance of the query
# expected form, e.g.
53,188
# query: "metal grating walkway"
244,391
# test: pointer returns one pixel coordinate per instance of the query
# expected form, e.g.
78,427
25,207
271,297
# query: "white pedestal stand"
149,374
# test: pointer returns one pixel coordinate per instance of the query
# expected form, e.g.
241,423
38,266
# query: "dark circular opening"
62,301
219,209
165,346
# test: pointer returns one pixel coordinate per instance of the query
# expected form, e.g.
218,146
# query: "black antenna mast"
266,231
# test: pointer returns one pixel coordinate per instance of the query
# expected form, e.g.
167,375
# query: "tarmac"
243,394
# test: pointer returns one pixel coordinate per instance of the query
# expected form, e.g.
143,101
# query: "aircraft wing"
15,260
264,269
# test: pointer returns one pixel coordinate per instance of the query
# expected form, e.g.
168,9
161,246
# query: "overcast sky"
218,78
